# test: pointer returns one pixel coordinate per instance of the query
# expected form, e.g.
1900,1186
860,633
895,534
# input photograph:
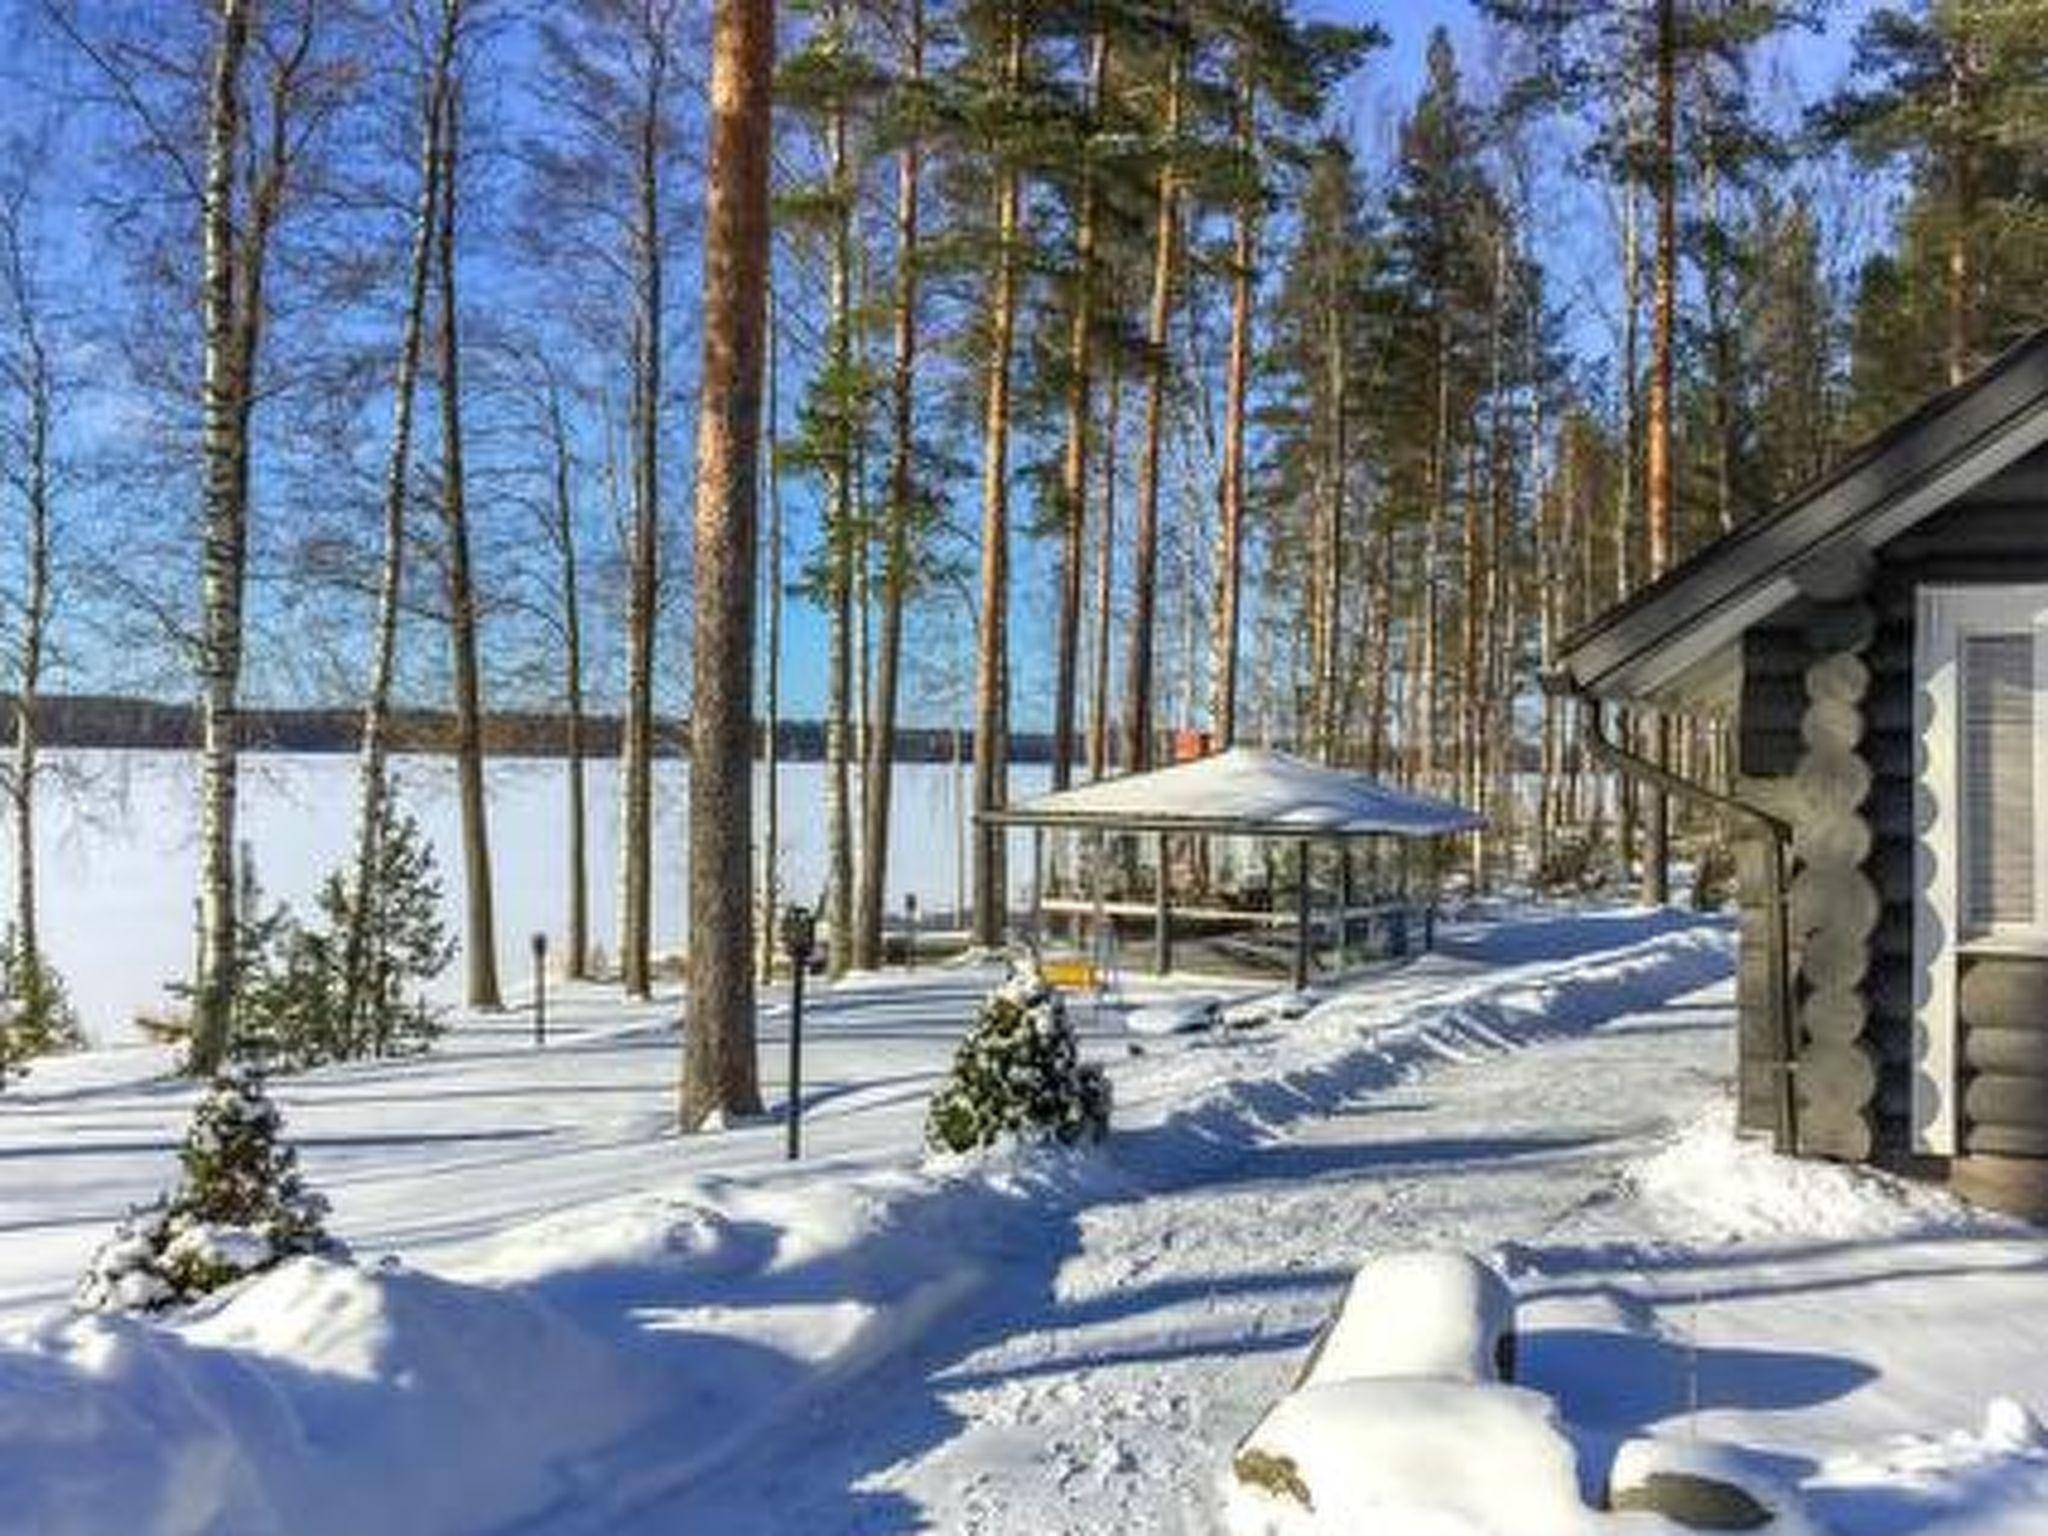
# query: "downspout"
1778,838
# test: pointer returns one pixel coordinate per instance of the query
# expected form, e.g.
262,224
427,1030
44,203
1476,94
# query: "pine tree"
241,1207
826,82
1018,1075
36,1016
720,1072
1954,91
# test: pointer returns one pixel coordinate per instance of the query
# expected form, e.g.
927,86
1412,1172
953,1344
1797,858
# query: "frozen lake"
119,853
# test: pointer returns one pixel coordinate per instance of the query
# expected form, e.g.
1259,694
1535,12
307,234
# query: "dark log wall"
1825,740
1997,535
1768,714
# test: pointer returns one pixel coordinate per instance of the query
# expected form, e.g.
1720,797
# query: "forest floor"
587,1324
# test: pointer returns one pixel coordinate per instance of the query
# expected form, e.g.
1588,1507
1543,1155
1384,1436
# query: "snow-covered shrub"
36,1016
241,1207
1019,1074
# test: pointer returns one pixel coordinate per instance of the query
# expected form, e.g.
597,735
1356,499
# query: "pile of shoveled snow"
1711,1185
317,1398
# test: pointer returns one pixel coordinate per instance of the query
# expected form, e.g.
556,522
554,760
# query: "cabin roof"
1674,641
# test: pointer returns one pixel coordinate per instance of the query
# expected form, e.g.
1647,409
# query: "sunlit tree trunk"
480,941
224,524
1138,687
32,374
636,748
1105,579
1237,385
1074,455
576,964
991,670
1658,454
720,1072
843,539
373,807
899,516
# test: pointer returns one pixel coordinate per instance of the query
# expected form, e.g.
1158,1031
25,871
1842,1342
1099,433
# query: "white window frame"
1949,615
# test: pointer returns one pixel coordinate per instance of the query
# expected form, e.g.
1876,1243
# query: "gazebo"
1247,792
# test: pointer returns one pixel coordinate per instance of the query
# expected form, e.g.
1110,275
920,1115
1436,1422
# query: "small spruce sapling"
36,1016
293,1005
1018,1075
241,1207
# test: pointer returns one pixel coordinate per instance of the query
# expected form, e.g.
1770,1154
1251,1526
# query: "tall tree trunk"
225,404
720,1073
1658,474
1237,385
1957,273
480,935
771,728
991,671
879,783
576,964
843,540
373,809
33,373
636,757
1379,657
1432,551
1329,575
1074,459
1145,552
1105,579
1714,287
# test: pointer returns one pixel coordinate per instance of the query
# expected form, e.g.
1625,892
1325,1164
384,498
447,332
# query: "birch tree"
373,810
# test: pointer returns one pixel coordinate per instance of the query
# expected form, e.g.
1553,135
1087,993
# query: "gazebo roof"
1247,791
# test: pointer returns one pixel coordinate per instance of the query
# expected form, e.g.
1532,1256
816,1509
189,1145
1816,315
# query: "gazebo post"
1162,917
1038,884
1301,914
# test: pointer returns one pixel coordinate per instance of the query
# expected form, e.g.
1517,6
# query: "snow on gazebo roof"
1249,791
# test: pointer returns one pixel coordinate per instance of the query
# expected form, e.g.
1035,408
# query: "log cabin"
1878,647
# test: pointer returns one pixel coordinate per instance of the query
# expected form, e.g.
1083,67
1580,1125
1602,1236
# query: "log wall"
1997,535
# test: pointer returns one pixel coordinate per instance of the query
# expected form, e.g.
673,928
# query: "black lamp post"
799,930
540,989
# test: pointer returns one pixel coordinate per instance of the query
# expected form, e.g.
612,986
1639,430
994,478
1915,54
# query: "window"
1997,783
1980,672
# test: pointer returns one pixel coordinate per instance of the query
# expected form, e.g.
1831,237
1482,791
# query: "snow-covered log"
1439,1314
1424,1458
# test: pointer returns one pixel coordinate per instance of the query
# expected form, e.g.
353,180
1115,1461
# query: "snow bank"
1711,1185
1988,1481
317,1398
1212,1106
603,1357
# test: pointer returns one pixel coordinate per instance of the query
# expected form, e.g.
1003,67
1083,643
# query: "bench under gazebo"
1244,798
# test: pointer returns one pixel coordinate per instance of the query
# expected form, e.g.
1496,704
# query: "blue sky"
1576,247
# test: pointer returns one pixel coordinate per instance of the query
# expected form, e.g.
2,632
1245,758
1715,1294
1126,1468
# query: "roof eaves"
1923,462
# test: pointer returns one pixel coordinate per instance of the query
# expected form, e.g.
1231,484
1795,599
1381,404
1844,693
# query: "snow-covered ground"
118,850
593,1326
